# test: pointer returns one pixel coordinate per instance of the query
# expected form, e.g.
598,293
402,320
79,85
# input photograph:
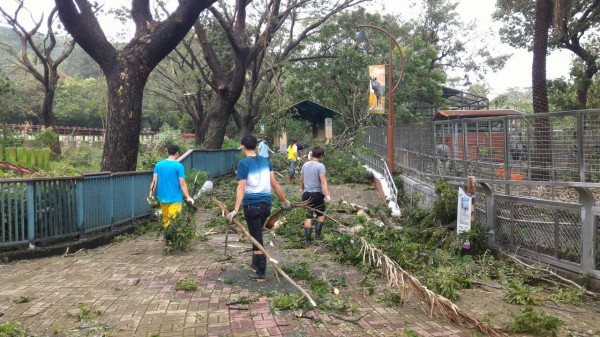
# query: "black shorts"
315,200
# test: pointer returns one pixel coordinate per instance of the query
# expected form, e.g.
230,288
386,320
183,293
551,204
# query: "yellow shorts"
169,211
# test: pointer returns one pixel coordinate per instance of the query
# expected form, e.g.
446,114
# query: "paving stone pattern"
132,284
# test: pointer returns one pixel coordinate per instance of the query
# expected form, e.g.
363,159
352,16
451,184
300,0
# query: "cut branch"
274,262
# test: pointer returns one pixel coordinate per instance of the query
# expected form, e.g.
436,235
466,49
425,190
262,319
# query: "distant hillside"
78,64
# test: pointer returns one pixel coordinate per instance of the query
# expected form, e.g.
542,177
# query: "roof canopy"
456,114
310,111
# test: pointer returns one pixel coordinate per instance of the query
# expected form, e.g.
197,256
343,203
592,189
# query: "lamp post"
361,36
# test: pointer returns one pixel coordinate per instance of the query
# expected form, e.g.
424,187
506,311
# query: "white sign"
463,214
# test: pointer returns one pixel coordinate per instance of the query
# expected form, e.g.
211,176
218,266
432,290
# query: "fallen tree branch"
398,277
274,262
563,280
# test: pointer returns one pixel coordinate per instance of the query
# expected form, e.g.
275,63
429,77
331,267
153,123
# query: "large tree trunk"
584,84
48,117
217,123
127,70
244,122
541,156
122,140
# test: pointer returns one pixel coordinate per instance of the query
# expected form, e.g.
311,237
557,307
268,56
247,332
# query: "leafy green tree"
254,51
127,70
21,104
439,27
572,25
5,87
514,98
81,102
42,52
332,70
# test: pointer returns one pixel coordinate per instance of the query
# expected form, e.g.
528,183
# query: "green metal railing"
48,209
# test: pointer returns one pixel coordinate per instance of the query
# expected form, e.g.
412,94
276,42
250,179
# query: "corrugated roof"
455,114
311,111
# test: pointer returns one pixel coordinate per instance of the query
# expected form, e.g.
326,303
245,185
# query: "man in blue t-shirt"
256,180
263,149
169,184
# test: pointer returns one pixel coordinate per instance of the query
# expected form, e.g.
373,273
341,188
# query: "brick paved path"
132,284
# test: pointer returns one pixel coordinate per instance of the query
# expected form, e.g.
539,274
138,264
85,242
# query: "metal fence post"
580,160
489,211
507,173
111,202
588,250
465,146
31,214
79,202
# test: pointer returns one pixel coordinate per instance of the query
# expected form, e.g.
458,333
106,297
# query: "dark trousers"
256,215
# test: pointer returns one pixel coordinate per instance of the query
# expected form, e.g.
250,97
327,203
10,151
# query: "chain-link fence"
540,176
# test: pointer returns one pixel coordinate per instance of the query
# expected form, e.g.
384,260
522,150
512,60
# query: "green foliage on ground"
537,323
519,293
343,168
187,284
288,301
298,272
85,312
11,329
443,212
182,231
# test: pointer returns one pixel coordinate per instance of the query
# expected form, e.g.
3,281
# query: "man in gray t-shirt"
315,192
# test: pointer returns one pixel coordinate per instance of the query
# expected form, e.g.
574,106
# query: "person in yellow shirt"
292,157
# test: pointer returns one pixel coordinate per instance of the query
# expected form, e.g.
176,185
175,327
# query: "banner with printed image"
377,89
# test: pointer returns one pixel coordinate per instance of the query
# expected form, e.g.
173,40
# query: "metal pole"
390,145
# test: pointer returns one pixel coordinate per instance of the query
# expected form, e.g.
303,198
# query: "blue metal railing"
48,209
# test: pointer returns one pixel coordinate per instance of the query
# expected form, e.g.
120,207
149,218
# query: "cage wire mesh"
554,147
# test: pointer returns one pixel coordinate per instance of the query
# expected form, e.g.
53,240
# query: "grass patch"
187,284
288,301
245,300
11,329
85,313
299,272
22,299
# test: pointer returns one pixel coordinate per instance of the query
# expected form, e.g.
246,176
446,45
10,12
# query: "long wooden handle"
274,262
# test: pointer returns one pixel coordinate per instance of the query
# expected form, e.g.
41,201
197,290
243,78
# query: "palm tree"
541,156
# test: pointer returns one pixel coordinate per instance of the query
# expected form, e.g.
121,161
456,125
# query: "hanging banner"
463,218
377,89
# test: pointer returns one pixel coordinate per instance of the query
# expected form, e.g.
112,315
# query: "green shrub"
443,212
344,168
46,138
9,138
